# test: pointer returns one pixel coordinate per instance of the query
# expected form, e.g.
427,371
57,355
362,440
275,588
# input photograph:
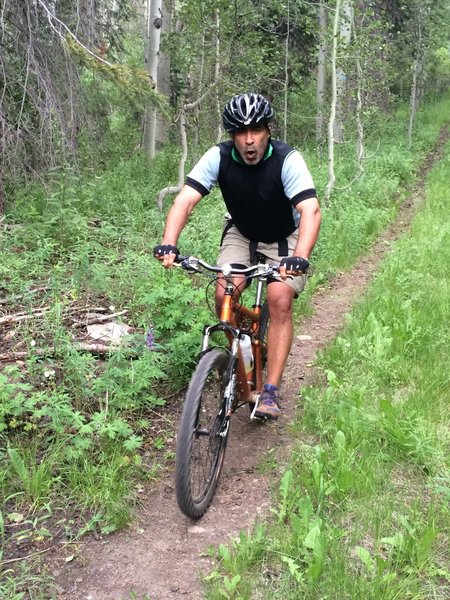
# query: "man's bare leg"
279,340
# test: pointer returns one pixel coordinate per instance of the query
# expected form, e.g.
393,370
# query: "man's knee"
280,306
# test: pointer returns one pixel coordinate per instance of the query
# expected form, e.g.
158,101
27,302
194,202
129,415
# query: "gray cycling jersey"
295,176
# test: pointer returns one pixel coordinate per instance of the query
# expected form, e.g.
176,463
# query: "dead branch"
20,296
99,349
14,356
193,105
39,312
167,191
20,558
100,318
186,107
52,19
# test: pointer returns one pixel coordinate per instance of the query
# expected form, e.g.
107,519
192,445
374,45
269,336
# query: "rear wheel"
203,434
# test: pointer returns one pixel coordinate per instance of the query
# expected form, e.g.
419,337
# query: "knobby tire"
200,448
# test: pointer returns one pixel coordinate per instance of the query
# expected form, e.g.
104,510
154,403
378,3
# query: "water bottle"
245,345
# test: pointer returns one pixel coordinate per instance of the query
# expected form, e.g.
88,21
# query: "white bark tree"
154,26
321,71
217,76
345,32
286,73
331,122
416,78
359,106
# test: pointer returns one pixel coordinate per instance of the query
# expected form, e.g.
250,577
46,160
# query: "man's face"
251,143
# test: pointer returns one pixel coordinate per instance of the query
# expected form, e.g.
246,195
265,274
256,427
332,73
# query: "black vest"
254,194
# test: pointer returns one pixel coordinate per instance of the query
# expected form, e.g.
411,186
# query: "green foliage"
133,82
245,551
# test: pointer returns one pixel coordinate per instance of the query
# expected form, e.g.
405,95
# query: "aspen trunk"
341,76
417,71
331,121
359,105
321,72
154,23
216,77
286,73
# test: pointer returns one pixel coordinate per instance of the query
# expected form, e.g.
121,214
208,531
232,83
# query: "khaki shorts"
236,249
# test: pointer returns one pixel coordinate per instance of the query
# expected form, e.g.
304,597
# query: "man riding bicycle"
273,211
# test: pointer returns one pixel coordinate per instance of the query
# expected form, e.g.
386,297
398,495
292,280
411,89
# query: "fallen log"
99,349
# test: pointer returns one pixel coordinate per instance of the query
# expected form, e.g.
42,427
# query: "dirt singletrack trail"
162,555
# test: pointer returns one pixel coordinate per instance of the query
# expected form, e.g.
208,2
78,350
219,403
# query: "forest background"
104,107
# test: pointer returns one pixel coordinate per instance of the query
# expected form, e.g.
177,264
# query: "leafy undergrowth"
83,428
364,513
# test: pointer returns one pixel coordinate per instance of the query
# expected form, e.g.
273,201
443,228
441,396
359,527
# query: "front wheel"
203,434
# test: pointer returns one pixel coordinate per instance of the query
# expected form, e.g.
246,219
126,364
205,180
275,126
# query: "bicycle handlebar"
192,263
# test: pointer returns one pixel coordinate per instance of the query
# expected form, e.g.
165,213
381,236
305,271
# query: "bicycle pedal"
253,416
259,419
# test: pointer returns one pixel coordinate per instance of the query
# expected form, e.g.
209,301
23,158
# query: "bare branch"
193,105
54,19
167,191
189,106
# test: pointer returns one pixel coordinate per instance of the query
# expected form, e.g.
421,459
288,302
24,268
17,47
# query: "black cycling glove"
163,249
296,264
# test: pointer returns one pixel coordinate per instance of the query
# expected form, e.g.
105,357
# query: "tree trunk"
163,75
154,23
2,197
321,71
286,72
2,152
359,95
216,77
415,86
331,121
196,137
341,77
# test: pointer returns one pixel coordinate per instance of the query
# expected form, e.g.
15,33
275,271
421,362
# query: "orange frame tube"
228,313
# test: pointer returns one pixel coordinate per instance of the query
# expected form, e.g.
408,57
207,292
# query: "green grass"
365,513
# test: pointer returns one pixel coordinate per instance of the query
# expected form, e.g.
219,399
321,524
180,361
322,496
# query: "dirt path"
161,555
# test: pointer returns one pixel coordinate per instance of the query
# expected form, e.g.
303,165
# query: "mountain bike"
229,374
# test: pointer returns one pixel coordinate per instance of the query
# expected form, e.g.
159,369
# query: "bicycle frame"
228,323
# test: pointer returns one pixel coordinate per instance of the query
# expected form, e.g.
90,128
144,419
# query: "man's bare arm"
308,232
309,226
177,218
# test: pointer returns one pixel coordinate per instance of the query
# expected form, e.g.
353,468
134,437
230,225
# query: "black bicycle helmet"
246,109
